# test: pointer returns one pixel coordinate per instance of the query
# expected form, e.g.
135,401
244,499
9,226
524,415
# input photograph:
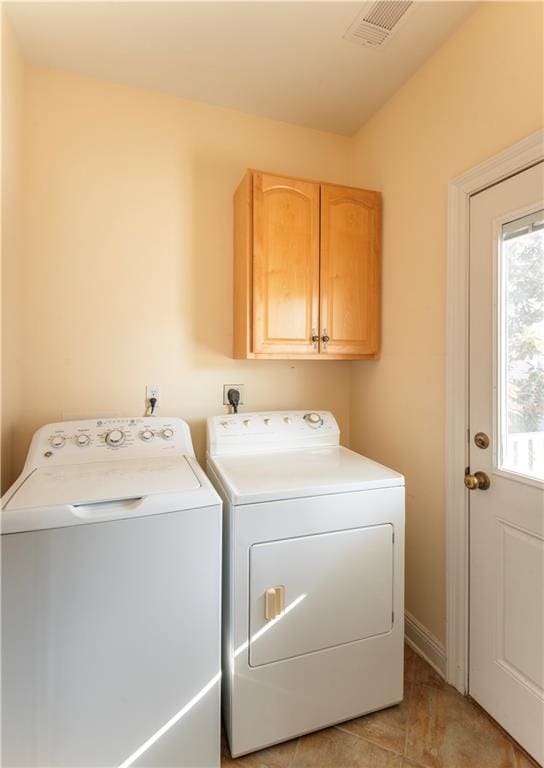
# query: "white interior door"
506,439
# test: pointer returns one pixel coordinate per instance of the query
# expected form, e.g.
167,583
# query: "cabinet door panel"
350,279
285,264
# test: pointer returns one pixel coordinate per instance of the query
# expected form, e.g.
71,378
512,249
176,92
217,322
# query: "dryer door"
315,592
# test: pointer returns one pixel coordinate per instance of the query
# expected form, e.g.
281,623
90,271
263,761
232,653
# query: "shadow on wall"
206,288
9,435
213,185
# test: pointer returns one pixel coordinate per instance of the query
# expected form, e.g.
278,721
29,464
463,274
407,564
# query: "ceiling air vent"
377,22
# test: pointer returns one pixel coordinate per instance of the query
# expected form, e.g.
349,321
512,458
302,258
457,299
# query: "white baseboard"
424,643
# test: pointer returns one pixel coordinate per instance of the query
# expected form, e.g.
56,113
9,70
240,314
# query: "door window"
521,346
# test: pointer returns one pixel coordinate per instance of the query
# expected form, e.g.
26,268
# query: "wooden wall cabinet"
306,269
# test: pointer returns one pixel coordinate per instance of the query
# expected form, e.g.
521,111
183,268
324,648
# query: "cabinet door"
350,270
285,264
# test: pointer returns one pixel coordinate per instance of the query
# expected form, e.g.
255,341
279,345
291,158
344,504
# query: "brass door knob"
478,481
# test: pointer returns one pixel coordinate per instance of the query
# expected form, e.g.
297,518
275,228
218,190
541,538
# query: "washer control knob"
83,440
313,419
225,424
167,433
247,422
115,437
267,421
57,441
147,435
287,419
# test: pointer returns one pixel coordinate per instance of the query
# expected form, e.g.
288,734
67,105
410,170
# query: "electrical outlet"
239,387
153,390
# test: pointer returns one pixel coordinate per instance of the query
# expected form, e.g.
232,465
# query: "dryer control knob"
267,421
247,422
313,419
167,433
83,440
115,437
147,435
57,441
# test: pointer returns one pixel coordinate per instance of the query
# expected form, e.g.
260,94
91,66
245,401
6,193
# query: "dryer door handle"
274,602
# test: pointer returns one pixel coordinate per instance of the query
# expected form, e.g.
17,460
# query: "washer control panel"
73,442
271,430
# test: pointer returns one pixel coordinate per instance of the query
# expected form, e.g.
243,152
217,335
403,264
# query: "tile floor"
434,727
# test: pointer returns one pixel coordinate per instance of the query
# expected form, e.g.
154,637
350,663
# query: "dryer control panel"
77,442
264,431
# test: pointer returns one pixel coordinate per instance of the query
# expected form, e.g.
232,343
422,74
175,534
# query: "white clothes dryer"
111,558
313,580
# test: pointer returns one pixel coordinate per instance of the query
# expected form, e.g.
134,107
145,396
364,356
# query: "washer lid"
294,474
52,497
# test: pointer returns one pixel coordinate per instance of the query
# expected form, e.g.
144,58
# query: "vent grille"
377,21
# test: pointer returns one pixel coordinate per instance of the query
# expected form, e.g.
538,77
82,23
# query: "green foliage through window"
523,264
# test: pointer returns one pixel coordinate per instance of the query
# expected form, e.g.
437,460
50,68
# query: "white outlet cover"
239,387
153,390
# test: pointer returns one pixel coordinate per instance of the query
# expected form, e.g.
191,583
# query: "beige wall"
12,273
481,92
128,254
128,257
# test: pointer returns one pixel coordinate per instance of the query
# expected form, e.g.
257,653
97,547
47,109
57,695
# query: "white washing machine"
111,558
313,579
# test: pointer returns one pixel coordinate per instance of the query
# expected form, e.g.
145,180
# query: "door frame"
516,158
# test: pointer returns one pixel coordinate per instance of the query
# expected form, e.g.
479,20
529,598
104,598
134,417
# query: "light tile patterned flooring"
434,727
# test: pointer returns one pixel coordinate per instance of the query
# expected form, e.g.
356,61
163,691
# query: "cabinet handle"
325,338
315,339
274,602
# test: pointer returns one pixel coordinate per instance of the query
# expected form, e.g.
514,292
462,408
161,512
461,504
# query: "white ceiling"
284,60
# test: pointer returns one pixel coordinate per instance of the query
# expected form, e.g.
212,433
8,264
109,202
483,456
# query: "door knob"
478,481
